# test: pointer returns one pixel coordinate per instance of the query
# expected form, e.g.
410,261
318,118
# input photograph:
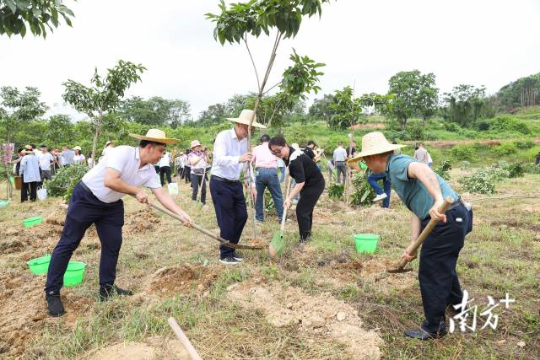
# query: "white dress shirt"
227,151
125,160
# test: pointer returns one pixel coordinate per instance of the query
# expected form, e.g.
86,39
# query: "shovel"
207,232
400,265
278,244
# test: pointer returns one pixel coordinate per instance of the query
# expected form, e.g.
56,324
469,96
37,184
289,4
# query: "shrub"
507,123
515,170
480,182
524,145
506,148
444,169
64,181
363,194
464,152
531,168
452,127
335,191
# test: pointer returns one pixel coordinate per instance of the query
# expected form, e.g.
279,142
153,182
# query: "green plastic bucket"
30,222
12,180
74,274
366,243
39,265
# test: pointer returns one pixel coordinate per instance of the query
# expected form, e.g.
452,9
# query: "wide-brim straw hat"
245,118
195,143
28,150
155,135
374,143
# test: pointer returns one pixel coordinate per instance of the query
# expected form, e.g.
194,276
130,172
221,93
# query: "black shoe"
238,257
305,240
54,304
108,291
422,334
229,260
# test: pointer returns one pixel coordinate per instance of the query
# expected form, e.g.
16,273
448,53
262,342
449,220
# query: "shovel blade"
277,245
398,271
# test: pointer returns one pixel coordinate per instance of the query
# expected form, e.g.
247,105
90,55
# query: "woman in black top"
309,183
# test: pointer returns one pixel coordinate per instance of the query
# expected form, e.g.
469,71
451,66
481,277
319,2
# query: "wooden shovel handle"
184,339
203,230
427,230
284,216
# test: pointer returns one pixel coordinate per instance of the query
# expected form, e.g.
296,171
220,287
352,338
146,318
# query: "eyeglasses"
276,151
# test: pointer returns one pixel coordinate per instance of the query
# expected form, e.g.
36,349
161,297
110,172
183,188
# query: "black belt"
227,181
86,188
340,161
455,204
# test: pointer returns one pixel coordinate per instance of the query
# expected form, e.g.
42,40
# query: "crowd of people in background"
32,166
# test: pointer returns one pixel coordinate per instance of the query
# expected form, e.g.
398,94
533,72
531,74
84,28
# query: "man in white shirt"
231,157
165,168
96,199
340,156
45,159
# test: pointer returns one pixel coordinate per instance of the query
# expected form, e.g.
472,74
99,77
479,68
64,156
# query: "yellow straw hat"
374,143
155,135
245,118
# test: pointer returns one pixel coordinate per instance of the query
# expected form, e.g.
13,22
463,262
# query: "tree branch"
253,62
271,88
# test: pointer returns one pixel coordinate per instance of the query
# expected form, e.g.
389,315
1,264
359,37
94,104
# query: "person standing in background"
421,154
45,160
267,177
78,158
109,145
165,168
30,174
198,160
281,167
340,156
67,156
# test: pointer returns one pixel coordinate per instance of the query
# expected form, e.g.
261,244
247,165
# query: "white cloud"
363,43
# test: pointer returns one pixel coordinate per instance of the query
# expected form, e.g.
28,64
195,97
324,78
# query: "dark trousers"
84,210
304,209
30,187
187,173
165,171
341,169
373,179
231,213
439,283
197,180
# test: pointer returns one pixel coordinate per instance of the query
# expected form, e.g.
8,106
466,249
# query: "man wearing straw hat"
231,157
96,199
423,192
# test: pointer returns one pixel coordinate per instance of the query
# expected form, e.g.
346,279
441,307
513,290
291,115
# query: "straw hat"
195,143
155,135
77,148
109,142
245,118
374,143
28,149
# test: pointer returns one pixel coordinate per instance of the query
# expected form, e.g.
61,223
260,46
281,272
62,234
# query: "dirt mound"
140,221
169,281
319,317
22,304
153,348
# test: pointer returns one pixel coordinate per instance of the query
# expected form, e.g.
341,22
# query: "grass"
501,255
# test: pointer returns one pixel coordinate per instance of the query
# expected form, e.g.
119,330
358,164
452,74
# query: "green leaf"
11,5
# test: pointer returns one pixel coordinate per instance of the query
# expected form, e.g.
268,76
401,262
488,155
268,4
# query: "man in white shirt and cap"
231,157
96,199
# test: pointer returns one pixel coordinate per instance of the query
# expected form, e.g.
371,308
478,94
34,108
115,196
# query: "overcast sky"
363,43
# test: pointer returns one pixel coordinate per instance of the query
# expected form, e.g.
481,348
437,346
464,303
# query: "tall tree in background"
523,92
155,111
412,93
18,107
346,110
464,105
41,16
105,94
